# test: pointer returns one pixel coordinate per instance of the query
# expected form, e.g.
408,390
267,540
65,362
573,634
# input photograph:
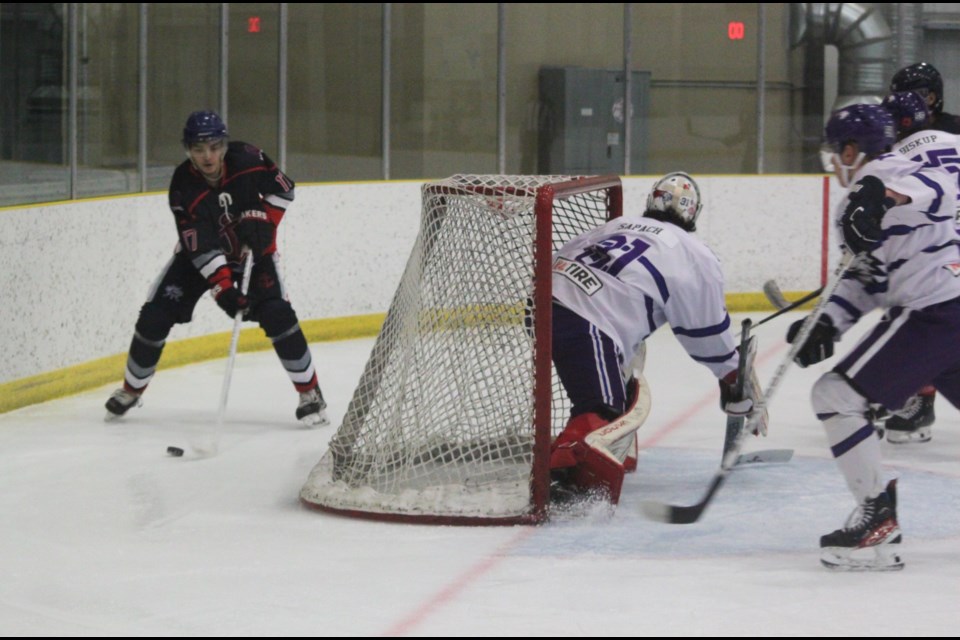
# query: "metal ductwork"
863,39
907,32
868,54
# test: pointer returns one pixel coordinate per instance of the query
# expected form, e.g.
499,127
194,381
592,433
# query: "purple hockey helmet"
869,125
909,110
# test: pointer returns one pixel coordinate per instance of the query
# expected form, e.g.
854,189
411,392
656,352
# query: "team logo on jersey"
225,200
953,268
173,292
578,274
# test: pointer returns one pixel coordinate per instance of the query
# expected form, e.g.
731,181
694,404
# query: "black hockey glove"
256,231
228,297
819,344
861,220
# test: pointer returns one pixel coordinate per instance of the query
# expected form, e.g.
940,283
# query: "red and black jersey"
207,216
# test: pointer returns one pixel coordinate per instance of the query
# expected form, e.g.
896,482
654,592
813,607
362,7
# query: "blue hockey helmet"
909,110
923,78
203,126
870,126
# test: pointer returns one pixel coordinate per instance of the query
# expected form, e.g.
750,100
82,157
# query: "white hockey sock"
853,439
856,447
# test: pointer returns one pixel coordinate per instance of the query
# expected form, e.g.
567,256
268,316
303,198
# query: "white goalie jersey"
634,274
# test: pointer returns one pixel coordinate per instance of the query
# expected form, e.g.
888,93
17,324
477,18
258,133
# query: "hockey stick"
748,351
683,514
773,294
210,448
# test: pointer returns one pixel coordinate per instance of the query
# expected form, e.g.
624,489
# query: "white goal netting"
443,424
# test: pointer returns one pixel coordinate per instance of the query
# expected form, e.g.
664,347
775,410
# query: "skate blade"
315,419
907,437
841,559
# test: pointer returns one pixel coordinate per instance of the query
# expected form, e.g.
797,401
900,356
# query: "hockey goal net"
452,418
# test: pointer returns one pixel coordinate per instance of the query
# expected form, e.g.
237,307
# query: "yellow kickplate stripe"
96,373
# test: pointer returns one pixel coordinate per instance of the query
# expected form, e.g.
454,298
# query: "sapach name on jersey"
640,228
578,274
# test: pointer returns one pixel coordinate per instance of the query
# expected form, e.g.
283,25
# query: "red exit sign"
253,24
735,31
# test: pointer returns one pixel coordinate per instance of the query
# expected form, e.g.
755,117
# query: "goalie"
613,287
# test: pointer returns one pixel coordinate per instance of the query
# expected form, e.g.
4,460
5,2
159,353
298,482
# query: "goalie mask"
677,195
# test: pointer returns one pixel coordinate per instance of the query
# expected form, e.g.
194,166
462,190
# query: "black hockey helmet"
923,78
203,126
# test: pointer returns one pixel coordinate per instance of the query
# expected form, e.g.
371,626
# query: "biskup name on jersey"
913,144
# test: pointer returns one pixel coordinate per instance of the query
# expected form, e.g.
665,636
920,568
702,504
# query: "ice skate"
120,402
312,409
871,539
912,423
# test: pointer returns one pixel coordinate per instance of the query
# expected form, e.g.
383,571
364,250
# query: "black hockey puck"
175,451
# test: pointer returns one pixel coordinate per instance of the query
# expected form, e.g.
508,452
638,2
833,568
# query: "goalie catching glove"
228,297
742,404
862,219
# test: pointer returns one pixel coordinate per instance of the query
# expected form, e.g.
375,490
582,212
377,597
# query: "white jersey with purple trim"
918,261
635,274
933,149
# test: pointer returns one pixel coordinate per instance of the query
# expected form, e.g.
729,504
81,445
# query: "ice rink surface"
102,533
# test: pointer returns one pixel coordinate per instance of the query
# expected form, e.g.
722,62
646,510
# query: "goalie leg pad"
563,450
597,471
599,450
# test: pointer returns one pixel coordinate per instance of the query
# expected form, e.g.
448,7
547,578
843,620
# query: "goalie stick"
687,514
748,353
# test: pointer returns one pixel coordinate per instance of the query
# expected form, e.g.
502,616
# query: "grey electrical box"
581,123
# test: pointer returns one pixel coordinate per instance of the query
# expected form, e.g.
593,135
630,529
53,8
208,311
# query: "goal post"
452,418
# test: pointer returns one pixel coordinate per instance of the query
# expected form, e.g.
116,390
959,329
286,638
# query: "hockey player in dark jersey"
924,78
913,422
224,197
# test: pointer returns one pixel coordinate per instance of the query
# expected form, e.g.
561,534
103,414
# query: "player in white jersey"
898,217
614,286
919,138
